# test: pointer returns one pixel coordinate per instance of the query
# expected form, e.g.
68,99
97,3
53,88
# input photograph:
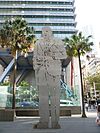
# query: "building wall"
91,67
77,82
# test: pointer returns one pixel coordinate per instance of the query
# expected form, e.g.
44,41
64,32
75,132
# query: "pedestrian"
90,103
98,115
86,106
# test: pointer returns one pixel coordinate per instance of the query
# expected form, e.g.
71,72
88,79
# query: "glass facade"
58,14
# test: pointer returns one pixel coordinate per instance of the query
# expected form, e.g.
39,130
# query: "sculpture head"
46,32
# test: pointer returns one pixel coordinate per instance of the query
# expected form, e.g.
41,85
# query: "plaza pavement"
73,124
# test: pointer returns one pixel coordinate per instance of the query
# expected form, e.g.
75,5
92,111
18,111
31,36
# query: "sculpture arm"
36,58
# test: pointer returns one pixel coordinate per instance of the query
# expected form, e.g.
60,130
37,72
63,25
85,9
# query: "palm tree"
18,37
78,45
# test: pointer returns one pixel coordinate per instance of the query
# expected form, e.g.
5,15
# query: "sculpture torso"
49,52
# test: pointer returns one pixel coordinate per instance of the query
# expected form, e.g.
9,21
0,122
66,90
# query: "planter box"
35,112
64,111
74,109
27,112
7,115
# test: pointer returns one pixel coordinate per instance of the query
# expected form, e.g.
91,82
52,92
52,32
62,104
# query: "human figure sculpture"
47,56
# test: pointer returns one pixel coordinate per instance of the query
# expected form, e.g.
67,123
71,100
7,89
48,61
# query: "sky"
88,18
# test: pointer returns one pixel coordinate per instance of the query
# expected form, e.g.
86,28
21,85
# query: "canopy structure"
23,63
6,60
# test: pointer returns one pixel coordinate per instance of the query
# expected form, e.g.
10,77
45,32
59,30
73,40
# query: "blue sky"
88,17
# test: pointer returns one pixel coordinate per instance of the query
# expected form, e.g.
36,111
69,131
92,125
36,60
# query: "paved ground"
73,124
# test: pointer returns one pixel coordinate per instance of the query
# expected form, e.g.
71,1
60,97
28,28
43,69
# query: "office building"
58,14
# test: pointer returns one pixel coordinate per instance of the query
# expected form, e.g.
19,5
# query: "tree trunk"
82,92
72,73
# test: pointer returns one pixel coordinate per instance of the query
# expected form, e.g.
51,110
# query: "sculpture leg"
55,102
43,103
43,109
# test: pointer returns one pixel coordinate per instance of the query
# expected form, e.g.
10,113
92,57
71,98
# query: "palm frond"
76,43
17,35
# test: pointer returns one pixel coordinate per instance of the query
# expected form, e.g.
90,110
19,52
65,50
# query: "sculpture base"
41,125
56,125
45,125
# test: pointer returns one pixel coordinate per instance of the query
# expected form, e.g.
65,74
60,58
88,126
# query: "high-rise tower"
58,14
